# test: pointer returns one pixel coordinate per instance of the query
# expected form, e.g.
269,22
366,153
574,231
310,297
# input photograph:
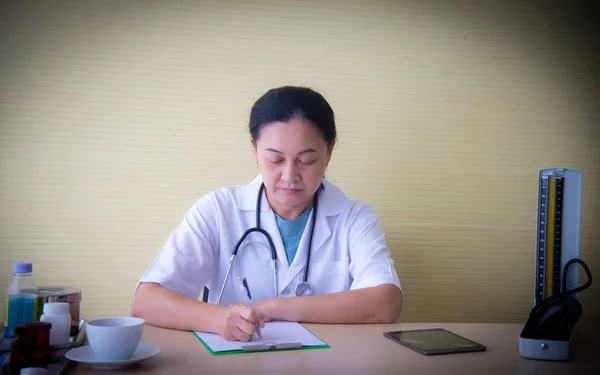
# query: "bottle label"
20,308
38,308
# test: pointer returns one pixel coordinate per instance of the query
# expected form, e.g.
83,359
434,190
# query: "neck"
289,212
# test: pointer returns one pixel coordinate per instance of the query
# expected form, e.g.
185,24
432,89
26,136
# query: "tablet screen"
433,340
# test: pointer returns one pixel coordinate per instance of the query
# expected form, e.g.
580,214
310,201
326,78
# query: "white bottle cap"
56,308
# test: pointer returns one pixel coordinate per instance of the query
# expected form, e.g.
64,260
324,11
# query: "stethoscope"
303,289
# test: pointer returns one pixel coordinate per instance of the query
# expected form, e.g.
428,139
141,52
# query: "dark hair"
287,102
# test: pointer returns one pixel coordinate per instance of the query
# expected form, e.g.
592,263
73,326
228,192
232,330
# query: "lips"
291,191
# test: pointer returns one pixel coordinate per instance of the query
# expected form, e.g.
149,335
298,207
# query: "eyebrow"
300,153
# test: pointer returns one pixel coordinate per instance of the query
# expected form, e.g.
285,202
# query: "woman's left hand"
265,309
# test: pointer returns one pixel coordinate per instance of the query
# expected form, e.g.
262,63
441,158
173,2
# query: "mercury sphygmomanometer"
547,333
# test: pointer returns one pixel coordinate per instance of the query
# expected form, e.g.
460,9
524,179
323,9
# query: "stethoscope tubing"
257,228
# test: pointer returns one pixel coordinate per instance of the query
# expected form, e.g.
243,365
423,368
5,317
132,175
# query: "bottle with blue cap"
23,303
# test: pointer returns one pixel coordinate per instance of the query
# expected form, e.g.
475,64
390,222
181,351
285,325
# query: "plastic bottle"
58,314
22,301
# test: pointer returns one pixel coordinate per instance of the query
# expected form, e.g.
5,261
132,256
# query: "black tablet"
434,341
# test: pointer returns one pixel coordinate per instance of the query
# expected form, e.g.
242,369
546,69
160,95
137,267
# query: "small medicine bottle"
30,348
58,314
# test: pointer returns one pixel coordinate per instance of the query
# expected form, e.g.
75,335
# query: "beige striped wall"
115,116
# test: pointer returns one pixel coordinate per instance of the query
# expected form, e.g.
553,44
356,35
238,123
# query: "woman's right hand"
238,322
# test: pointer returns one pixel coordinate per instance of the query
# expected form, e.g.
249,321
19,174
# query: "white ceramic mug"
113,339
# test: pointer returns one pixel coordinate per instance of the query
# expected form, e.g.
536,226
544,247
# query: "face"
292,158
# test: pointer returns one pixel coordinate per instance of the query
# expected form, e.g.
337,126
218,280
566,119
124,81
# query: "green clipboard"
265,347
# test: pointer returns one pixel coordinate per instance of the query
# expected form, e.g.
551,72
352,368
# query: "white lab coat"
348,250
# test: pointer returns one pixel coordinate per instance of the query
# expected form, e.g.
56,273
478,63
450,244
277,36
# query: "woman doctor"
328,263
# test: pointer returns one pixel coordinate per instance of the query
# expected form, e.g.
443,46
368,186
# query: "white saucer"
84,354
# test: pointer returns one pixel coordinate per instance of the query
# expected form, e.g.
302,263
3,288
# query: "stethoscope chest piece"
304,289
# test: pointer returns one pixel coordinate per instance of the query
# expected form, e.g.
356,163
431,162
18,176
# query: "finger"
256,318
232,318
248,314
234,333
246,326
242,335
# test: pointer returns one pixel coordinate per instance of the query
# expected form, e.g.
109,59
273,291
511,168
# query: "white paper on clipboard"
273,333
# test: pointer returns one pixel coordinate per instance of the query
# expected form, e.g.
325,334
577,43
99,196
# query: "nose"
290,172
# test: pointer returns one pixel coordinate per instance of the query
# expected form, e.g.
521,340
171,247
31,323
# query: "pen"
245,290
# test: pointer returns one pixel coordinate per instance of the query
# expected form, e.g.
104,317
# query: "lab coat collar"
331,199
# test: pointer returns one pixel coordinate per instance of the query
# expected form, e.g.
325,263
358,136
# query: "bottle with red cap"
22,303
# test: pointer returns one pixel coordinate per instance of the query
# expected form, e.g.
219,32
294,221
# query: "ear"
329,152
253,145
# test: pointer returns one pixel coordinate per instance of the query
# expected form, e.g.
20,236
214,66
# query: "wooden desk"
360,349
